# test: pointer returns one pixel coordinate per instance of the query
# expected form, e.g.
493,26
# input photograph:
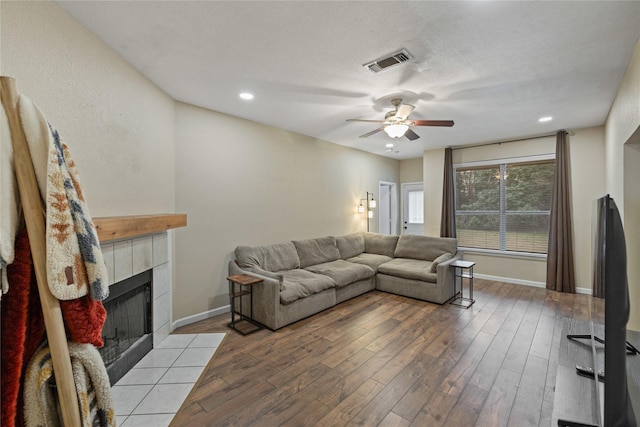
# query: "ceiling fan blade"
403,111
411,135
447,123
372,132
367,121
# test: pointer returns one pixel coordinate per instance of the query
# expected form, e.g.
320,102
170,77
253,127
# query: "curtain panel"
448,219
560,262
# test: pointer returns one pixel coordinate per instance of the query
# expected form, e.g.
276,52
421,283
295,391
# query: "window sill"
506,254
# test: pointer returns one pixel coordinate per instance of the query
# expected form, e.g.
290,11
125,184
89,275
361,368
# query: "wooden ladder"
35,222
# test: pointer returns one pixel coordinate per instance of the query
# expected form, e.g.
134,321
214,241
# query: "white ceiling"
494,67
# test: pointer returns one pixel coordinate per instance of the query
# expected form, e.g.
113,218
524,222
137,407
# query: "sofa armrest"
445,273
266,296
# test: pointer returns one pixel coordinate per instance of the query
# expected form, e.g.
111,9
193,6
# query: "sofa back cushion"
350,245
425,247
381,244
316,251
278,257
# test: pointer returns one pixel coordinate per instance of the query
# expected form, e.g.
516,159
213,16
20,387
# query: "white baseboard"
586,291
200,316
511,280
222,310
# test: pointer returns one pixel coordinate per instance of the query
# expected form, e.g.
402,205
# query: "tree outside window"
504,206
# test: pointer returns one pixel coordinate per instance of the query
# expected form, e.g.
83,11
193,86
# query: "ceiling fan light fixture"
396,130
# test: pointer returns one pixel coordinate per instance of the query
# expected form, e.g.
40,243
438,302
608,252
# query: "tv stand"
631,350
578,399
563,423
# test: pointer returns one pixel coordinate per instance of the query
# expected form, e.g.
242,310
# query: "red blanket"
23,327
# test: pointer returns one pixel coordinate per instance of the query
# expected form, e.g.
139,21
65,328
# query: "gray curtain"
448,220
560,265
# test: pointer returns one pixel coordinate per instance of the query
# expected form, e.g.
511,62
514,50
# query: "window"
416,207
505,205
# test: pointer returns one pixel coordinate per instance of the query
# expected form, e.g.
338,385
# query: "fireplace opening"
128,329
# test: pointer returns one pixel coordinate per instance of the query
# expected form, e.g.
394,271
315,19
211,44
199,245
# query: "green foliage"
478,189
527,189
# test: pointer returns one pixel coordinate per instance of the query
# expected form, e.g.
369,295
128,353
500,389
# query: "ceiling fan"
396,123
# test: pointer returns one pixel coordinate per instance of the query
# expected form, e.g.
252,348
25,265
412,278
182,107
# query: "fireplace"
128,330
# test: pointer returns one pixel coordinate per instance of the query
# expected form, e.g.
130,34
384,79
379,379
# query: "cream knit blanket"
75,264
41,406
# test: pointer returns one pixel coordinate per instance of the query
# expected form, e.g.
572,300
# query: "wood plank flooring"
386,360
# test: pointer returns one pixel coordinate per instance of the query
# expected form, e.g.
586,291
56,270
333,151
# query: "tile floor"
151,393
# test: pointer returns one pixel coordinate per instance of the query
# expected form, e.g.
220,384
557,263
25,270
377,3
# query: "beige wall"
411,170
239,182
586,148
433,175
113,118
243,183
119,126
623,172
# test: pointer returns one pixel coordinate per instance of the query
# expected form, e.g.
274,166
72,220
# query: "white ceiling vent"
389,61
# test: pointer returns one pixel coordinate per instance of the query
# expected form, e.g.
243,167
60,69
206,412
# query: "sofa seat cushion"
409,269
372,260
316,251
300,283
342,272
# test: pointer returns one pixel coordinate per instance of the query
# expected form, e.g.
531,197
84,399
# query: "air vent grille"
389,61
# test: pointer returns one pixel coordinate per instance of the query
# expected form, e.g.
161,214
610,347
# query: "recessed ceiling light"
545,119
246,96
389,145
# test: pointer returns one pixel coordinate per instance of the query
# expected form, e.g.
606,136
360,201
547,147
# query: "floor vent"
389,61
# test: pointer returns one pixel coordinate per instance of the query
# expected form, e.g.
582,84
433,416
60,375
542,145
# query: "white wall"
243,183
119,126
623,172
586,147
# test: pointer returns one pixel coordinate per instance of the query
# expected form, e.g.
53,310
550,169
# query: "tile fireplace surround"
129,257
134,244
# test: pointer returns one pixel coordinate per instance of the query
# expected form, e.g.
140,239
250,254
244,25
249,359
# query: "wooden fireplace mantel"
121,227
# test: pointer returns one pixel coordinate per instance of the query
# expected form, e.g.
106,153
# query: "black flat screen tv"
611,275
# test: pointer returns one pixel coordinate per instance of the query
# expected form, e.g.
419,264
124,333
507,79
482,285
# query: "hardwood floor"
386,360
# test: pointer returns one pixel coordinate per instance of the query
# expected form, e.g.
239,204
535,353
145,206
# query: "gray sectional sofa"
304,277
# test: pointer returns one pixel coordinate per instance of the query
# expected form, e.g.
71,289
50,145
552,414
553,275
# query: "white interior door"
388,208
413,208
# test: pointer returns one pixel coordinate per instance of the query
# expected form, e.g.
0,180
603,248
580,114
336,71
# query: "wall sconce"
367,205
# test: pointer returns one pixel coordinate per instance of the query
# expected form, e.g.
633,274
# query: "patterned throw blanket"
92,384
75,265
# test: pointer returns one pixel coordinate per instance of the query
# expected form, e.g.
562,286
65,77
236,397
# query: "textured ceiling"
494,67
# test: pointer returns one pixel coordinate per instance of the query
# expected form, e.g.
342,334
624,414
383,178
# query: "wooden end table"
239,286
